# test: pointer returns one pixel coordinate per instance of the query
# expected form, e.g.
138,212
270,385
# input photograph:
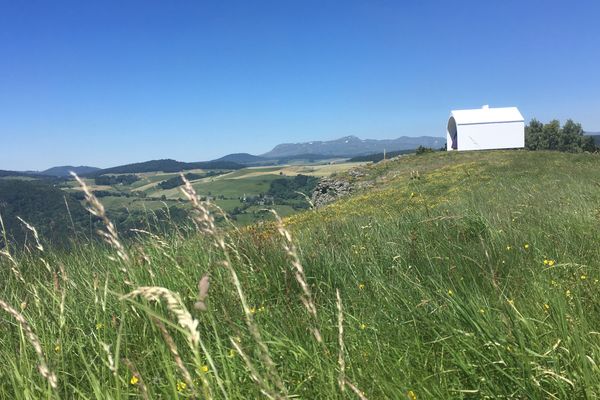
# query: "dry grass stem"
38,245
255,332
292,252
110,361
5,243
203,286
173,349
63,295
202,216
140,381
110,235
206,224
46,264
157,238
254,374
14,267
356,390
341,361
174,305
35,343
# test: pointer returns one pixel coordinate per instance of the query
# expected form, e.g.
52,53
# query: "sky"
106,83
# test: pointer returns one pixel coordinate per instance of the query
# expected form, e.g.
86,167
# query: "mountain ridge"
353,146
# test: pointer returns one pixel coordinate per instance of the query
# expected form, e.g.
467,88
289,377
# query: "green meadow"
460,276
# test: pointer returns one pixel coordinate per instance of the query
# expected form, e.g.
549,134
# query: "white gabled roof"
486,115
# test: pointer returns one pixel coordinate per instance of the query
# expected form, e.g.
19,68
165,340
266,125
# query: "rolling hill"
165,165
243,158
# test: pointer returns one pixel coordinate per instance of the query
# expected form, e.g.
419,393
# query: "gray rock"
329,190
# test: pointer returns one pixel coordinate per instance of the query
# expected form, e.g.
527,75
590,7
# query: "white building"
485,128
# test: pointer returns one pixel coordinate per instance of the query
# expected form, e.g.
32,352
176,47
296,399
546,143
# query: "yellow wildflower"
99,326
204,368
546,307
134,379
526,246
57,348
361,286
363,326
411,395
261,309
252,310
551,262
450,292
181,386
481,311
231,353
508,247
583,277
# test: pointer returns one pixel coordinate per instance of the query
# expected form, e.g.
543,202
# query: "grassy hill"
460,275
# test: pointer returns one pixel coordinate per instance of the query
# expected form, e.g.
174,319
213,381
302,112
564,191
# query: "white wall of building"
502,135
485,128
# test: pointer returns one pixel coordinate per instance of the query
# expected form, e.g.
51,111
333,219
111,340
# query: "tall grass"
476,277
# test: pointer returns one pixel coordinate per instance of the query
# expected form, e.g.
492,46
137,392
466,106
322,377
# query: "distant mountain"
353,146
252,160
242,158
166,165
65,170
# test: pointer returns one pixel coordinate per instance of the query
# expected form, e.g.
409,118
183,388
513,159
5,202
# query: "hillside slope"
460,275
55,214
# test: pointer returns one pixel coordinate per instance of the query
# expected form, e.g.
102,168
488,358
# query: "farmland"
227,189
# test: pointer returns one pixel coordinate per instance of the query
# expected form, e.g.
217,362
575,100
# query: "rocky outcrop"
329,190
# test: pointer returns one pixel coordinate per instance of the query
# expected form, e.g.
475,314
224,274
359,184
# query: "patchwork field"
226,189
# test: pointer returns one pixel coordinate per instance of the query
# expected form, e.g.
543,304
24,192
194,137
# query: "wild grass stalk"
175,353
206,224
34,231
35,343
307,297
109,234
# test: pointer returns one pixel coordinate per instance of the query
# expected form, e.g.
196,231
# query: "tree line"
569,137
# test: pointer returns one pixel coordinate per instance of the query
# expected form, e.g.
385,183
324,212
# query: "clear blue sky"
105,83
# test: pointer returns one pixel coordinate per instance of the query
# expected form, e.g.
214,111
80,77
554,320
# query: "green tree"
551,136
